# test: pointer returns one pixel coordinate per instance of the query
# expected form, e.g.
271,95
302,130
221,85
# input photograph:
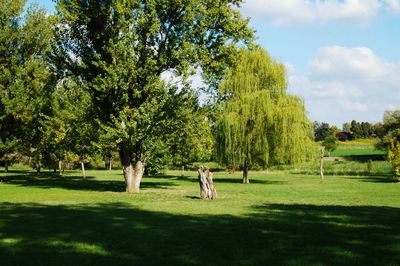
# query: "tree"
26,82
391,120
323,130
394,154
119,49
330,144
258,122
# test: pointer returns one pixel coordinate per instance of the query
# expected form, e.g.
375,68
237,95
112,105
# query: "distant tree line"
350,131
386,132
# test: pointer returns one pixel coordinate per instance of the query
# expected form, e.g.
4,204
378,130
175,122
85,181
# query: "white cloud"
283,12
348,83
394,5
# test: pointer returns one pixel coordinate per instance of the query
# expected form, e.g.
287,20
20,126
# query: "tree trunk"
207,189
110,165
246,173
132,176
6,166
83,170
39,163
183,171
38,167
321,164
59,167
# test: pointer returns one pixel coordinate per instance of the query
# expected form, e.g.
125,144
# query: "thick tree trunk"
246,173
110,165
207,189
132,176
83,170
6,166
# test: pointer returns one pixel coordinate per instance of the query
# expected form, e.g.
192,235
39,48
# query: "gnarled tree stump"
207,189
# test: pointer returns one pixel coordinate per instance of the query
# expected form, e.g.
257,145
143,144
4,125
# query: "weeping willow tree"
259,123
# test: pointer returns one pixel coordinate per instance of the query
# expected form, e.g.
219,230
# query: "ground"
284,217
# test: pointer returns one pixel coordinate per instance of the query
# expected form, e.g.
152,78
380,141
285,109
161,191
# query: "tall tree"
259,123
119,49
25,80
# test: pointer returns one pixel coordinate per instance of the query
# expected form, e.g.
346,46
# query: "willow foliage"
259,123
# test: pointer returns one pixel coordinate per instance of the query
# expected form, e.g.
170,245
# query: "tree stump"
207,189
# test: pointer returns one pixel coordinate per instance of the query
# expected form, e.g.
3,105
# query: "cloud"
348,83
288,12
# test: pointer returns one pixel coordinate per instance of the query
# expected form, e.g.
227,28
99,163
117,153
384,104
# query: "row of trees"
87,81
350,131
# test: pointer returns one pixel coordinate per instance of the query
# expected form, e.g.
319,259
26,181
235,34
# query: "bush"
394,157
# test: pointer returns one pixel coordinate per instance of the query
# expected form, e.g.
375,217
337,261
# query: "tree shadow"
252,181
232,180
48,180
378,179
272,234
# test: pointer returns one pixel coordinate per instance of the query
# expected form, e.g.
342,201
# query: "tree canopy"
119,49
259,123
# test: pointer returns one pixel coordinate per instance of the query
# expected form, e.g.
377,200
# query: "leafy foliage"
259,123
330,144
394,154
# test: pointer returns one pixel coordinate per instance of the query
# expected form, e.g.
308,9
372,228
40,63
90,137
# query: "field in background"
360,147
281,218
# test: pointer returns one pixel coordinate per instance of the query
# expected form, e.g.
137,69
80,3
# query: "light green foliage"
259,124
394,156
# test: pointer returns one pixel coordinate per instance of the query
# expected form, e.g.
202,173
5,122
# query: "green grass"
281,218
357,148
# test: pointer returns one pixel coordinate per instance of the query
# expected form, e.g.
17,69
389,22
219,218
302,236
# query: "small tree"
330,144
394,157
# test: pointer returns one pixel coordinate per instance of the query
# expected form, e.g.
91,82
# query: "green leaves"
259,123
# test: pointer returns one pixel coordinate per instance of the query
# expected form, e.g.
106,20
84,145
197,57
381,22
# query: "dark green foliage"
323,131
26,83
330,144
118,50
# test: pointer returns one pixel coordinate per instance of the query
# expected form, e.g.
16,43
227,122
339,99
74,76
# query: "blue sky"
342,56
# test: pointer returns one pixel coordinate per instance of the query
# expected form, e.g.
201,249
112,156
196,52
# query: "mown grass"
279,219
359,147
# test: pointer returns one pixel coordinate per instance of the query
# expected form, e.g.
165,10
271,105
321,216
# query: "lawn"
281,218
360,147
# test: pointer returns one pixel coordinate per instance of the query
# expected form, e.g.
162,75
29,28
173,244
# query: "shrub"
394,157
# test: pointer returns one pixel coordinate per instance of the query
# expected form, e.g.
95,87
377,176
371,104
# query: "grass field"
360,147
279,219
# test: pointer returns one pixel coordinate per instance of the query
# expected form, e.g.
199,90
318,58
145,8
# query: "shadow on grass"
119,234
377,179
50,180
233,180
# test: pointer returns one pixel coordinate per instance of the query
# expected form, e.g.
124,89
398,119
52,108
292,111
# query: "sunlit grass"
280,218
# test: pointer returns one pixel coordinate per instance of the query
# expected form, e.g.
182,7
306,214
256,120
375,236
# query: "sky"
342,56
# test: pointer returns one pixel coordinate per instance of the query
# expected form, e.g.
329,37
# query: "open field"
359,147
279,219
